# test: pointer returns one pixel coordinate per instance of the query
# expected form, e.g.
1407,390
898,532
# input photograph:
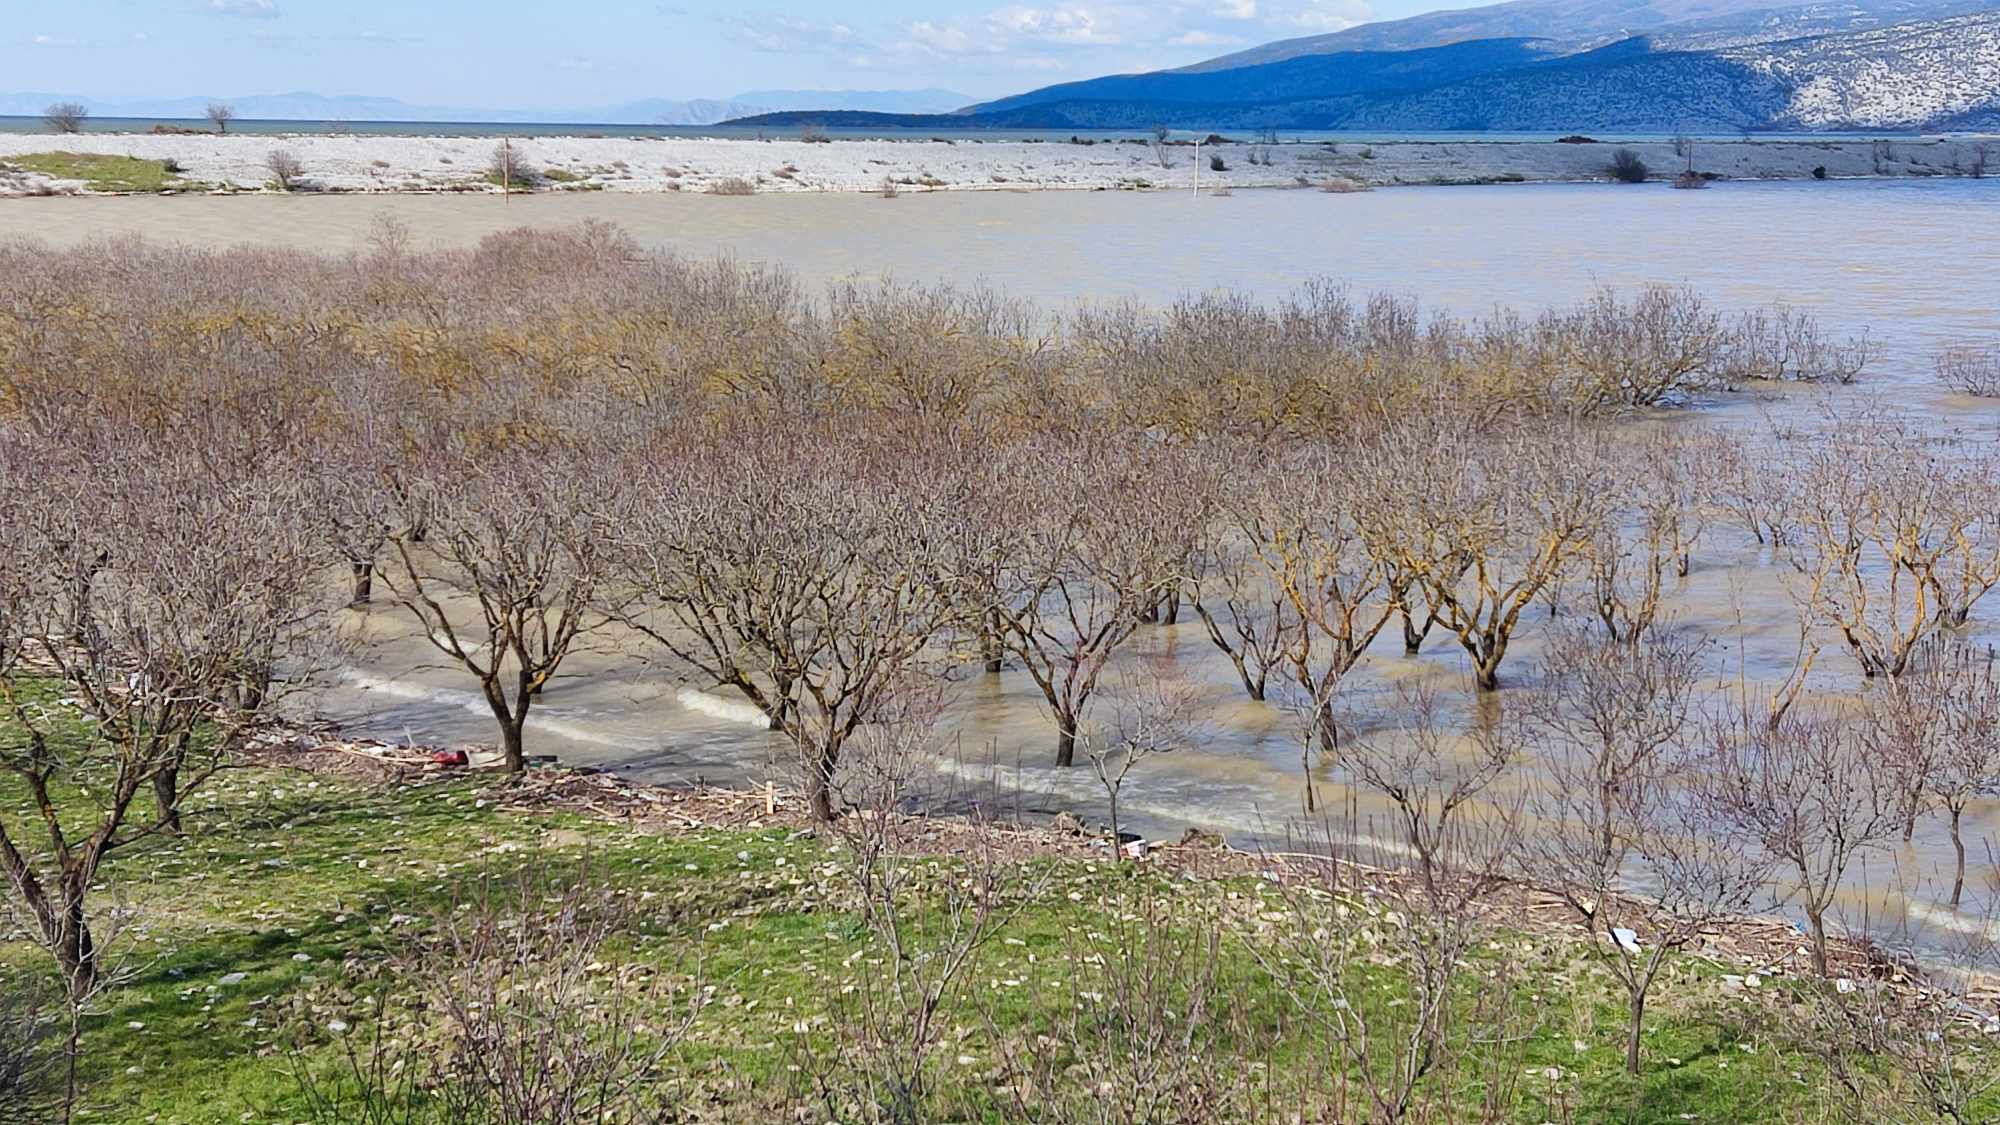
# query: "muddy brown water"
1910,261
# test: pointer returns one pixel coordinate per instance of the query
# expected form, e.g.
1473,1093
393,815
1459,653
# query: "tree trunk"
75,950
1065,741
990,642
167,794
1413,637
1632,1033
1816,922
510,742
364,585
1958,845
1486,673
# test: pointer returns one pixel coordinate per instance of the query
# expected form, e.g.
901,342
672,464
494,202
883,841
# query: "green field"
335,900
103,173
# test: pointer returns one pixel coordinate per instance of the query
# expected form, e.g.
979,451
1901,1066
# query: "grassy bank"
304,917
103,173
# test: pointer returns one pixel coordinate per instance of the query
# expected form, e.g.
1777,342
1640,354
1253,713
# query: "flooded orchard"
1884,258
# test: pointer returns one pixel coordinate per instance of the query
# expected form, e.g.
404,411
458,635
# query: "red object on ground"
449,758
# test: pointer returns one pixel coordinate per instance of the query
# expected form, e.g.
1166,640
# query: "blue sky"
522,53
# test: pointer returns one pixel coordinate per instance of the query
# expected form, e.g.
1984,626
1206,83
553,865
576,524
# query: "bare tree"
1895,536
1936,730
1807,789
744,580
1093,561
1970,369
1159,144
285,168
1658,349
1650,534
1645,864
206,585
508,167
220,114
1489,522
504,582
1454,831
1153,712
65,117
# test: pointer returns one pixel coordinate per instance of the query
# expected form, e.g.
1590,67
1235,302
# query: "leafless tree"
1244,613
1094,559
743,579
506,577
1453,831
508,167
535,1022
1786,344
1806,788
1489,522
1896,536
1650,534
143,677
1153,712
1642,860
1936,730
1660,348
880,1054
220,114
1970,369
65,117
285,168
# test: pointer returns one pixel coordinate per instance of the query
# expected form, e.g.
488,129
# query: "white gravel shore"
363,163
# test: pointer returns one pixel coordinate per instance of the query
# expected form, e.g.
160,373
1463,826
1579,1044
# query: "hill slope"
1918,75
1584,24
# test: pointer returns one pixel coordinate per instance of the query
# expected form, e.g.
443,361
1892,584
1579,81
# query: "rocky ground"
206,162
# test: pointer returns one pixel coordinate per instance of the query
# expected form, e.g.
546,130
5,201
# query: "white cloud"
1328,15
1204,39
249,9
1236,10
781,34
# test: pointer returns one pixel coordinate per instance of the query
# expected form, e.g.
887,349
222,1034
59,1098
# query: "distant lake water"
1909,259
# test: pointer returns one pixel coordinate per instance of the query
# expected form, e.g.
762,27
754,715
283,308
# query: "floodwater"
1909,260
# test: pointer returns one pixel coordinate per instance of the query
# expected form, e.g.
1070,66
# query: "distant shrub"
1627,168
1217,164
1688,180
1368,153
1971,369
65,117
1576,139
889,188
1341,185
1819,172
285,169
509,168
734,185
171,166
814,135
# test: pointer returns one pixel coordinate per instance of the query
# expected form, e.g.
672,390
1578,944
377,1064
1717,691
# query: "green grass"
103,173
311,886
